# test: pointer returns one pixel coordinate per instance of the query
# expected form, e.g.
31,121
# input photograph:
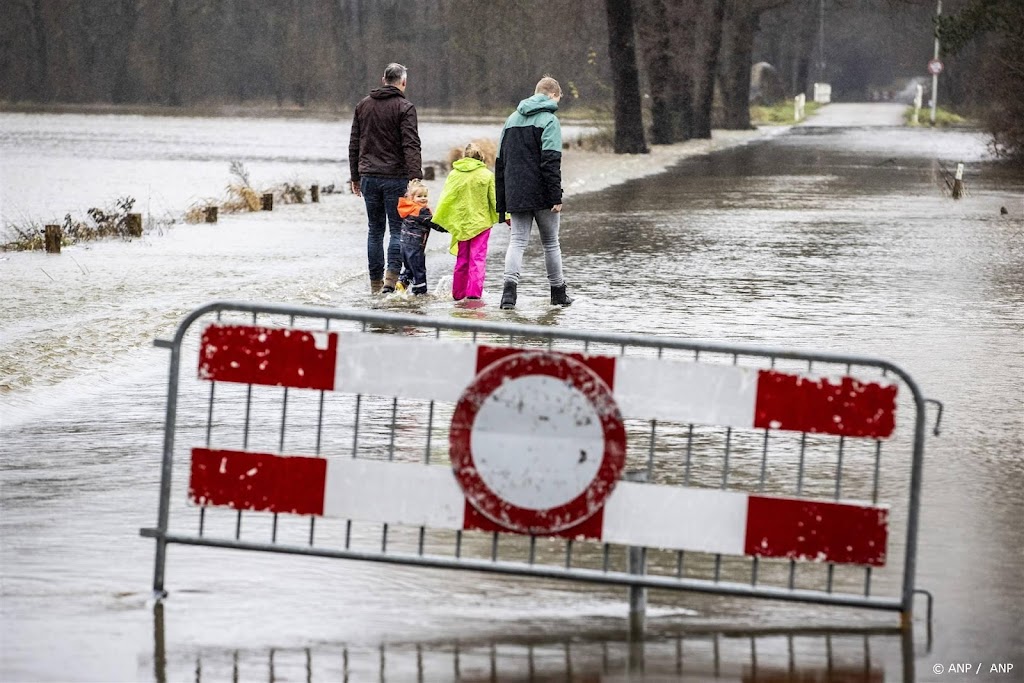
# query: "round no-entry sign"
537,442
934,67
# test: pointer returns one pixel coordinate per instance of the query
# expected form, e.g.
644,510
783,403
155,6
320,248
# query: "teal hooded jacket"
528,170
467,205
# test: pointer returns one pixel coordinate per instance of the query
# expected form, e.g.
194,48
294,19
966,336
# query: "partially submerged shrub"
108,222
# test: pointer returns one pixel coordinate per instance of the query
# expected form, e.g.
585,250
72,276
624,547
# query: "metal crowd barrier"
622,459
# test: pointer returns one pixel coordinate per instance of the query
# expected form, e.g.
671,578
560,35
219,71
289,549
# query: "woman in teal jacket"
467,210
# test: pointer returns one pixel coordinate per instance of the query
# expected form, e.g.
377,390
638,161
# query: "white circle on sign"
538,442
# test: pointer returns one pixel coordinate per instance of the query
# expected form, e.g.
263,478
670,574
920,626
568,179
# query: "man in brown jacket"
383,156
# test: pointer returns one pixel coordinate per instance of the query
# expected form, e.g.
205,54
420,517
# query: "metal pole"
636,563
935,77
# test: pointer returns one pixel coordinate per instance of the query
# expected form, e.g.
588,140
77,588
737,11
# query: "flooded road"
826,238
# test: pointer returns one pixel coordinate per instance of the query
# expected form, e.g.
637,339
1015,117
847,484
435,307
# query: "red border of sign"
584,380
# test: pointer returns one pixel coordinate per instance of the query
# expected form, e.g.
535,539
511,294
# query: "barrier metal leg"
637,594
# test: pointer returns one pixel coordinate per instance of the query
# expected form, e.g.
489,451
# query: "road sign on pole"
934,67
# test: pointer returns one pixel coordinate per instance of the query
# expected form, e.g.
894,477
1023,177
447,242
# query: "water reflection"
697,654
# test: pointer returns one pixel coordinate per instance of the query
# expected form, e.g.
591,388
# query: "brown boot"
390,280
375,286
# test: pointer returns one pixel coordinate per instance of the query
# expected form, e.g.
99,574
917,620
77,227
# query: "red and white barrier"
671,517
537,443
645,388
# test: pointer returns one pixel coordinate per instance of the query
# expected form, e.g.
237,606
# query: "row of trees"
681,65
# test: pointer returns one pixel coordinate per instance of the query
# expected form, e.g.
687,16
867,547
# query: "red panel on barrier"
813,530
603,366
850,408
258,481
589,529
269,356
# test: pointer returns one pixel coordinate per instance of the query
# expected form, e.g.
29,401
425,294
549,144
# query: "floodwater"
828,239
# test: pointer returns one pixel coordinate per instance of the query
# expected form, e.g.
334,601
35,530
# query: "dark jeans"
413,244
381,196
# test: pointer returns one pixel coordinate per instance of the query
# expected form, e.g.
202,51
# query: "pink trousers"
471,267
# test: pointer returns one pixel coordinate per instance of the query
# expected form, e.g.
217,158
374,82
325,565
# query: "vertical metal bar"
423,535
533,548
689,455
914,509
284,405
202,519
355,427
238,526
348,533
764,462
209,413
166,470
800,467
839,469
394,425
494,546
725,464
284,417
384,538
606,550
650,452
248,414
568,554
430,429
458,544
679,564
273,530
875,478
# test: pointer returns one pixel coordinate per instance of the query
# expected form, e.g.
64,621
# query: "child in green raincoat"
467,209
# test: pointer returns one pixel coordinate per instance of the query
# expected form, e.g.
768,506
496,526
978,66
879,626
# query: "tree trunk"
629,126
737,57
656,48
41,82
682,21
707,66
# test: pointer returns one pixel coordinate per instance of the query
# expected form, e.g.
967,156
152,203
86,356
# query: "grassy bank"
943,118
781,113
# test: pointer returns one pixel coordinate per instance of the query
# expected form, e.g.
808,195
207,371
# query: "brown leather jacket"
385,140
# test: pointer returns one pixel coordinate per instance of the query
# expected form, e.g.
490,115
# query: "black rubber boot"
508,295
559,297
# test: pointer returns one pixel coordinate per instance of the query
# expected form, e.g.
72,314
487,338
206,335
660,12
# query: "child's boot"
559,297
508,295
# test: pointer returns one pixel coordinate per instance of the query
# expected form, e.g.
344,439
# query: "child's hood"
467,164
407,207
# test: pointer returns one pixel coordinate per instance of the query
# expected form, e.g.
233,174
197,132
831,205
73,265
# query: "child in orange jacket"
416,227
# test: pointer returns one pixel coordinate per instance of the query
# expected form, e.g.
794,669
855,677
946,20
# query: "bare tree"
706,63
629,126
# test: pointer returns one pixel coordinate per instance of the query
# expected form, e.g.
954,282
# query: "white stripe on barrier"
379,364
690,392
374,490
705,520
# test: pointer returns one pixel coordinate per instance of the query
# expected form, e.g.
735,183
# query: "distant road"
860,114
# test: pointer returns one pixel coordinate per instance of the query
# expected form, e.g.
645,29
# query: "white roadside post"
918,98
